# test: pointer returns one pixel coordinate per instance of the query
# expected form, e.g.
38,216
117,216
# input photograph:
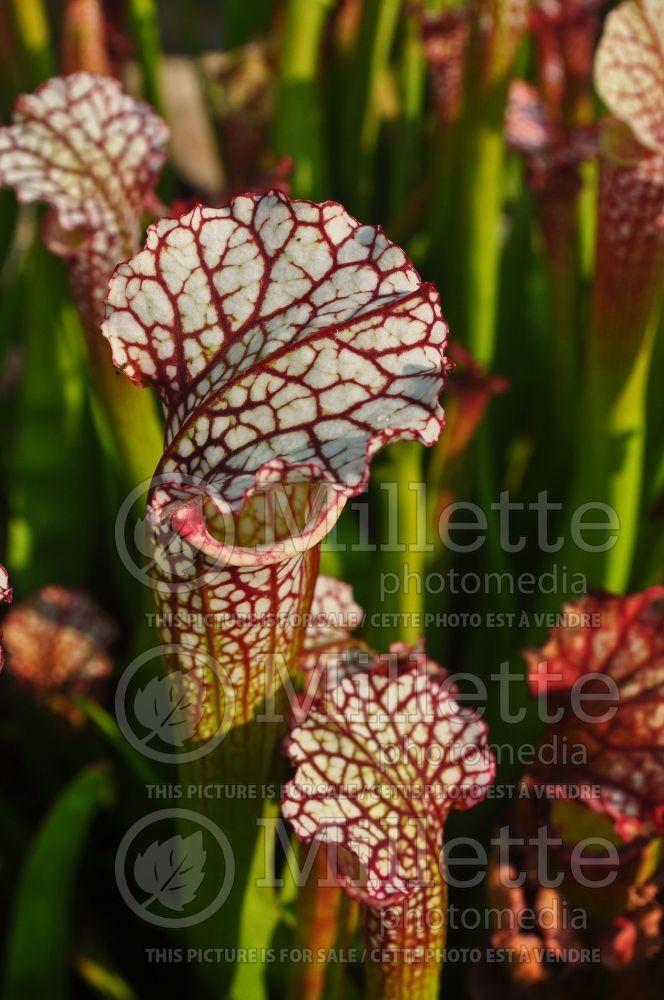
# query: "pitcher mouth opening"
188,517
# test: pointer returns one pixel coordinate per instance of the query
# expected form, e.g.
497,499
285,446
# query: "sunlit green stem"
413,88
484,152
468,199
127,417
416,924
244,761
559,221
298,121
469,192
33,36
261,910
610,471
49,539
243,767
588,216
317,913
371,61
404,544
649,562
144,19
128,423
648,566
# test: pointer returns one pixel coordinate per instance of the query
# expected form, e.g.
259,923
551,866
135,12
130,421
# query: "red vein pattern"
529,128
629,75
329,653
565,33
330,649
622,638
334,615
501,25
630,242
6,595
93,154
57,642
629,69
486,32
445,41
288,344
550,125
549,147
552,152
379,765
